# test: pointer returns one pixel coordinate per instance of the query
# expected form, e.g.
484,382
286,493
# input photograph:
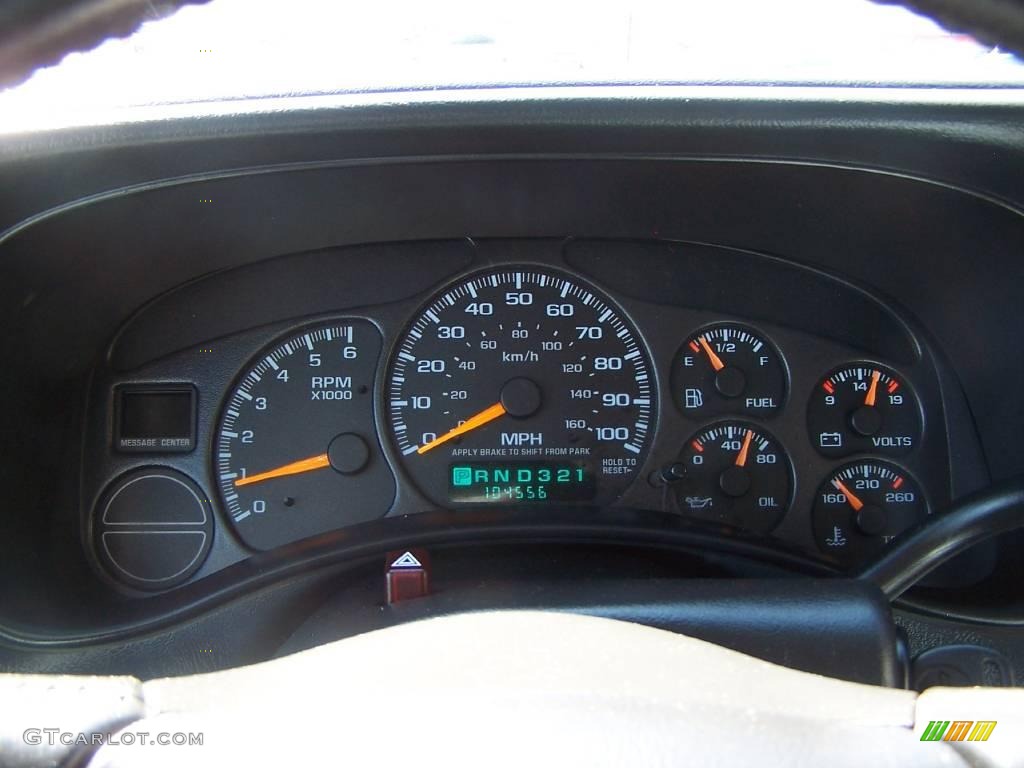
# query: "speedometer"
521,386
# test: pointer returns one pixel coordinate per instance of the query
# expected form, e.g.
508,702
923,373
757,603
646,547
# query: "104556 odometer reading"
521,482
521,367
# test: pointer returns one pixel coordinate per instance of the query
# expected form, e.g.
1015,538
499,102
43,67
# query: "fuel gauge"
728,369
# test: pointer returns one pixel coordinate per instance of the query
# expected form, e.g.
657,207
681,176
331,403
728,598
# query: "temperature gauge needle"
869,399
295,468
741,457
473,422
856,503
716,361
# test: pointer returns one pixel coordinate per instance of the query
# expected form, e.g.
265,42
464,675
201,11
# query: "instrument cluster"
523,382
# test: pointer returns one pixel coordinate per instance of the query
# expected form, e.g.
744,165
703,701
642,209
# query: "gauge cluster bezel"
806,354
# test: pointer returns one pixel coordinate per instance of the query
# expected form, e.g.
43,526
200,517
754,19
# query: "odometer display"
516,366
520,482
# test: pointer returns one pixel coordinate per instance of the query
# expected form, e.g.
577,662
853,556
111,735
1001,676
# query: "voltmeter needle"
869,399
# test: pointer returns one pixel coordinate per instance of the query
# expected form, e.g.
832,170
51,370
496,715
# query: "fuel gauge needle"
716,361
854,502
295,468
485,416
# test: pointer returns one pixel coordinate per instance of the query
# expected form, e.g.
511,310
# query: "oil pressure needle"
295,468
741,458
473,422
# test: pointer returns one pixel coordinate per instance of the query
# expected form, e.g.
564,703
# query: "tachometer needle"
741,457
856,503
295,468
716,361
473,422
869,399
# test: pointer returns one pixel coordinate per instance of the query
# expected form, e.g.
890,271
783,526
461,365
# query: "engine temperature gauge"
863,506
727,368
863,408
735,473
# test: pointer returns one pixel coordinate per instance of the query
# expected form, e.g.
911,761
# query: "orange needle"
716,361
870,399
295,468
854,501
741,458
473,422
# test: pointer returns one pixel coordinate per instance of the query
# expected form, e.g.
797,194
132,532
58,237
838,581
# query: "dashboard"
531,373
661,335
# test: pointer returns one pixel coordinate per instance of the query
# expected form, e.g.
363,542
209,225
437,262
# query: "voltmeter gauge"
727,368
736,474
863,408
863,506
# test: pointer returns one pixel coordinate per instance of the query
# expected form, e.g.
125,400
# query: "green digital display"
521,482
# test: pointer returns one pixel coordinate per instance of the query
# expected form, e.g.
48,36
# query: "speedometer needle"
295,468
485,416
856,503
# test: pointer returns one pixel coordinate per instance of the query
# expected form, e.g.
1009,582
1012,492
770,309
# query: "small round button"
348,453
872,520
730,382
520,397
735,481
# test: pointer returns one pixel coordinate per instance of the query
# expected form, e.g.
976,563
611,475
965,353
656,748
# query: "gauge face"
863,506
295,452
737,474
863,408
727,368
521,386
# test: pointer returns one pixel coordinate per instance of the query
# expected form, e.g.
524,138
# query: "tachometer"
521,386
296,451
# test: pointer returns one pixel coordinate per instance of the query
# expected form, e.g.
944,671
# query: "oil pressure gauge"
737,474
863,408
728,369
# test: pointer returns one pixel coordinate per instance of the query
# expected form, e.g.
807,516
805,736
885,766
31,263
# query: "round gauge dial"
295,452
863,408
728,368
863,506
520,386
737,474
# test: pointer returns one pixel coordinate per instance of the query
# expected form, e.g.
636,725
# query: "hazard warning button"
408,574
